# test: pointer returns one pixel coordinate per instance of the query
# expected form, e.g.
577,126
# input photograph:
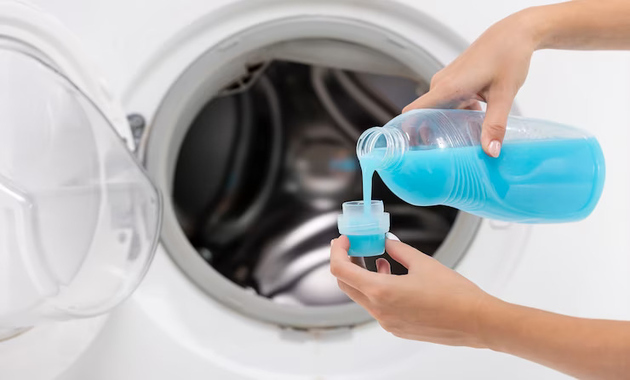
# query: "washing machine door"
79,219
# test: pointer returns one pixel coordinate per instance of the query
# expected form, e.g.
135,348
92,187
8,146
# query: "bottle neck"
385,146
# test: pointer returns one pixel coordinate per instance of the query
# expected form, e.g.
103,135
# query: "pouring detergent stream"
546,173
369,164
365,222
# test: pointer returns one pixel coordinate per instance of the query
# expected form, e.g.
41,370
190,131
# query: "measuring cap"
365,229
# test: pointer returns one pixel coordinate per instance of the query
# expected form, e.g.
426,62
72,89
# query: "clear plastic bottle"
546,173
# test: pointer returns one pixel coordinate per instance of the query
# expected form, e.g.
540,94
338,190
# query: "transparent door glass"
79,219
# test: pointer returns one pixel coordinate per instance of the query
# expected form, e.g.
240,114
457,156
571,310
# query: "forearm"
584,348
580,25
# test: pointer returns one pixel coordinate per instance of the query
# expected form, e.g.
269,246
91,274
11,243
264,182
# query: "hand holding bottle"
492,70
495,66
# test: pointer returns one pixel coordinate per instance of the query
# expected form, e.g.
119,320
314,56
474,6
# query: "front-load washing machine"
244,115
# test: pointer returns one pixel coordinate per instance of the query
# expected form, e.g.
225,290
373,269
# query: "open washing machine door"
79,219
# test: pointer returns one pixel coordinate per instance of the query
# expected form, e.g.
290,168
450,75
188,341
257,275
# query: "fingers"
382,266
473,106
494,124
402,253
345,270
436,98
341,242
354,294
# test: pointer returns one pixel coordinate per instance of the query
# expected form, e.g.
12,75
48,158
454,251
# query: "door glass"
79,219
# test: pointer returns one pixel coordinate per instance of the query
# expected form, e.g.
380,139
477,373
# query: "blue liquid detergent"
535,181
369,163
365,230
365,243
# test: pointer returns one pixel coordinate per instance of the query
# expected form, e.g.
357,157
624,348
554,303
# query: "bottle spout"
370,140
384,147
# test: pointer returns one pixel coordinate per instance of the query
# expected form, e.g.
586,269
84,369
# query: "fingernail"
379,264
391,236
494,148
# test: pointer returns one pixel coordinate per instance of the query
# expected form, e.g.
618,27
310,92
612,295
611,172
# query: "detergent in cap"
365,227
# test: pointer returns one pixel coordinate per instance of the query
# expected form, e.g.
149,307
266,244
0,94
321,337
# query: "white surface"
36,27
46,351
170,329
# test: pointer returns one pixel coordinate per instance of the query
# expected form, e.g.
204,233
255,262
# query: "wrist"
491,312
536,26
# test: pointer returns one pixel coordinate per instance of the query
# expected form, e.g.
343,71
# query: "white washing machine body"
172,328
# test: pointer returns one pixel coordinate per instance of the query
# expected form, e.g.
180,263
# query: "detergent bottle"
546,172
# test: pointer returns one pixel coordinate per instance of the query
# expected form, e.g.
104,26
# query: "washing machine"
232,124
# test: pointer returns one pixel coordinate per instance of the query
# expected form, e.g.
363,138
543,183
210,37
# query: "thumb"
402,253
495,122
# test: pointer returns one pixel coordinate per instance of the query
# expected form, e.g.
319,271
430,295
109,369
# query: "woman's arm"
581,25
584,348
436,304
495,66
